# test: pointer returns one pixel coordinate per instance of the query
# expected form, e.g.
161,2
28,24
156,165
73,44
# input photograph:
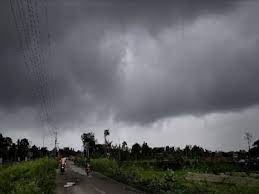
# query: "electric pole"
56,142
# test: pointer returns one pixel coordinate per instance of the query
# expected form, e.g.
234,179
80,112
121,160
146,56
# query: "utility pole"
56,142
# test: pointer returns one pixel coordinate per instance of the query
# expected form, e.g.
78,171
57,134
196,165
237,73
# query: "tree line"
20,150
123,152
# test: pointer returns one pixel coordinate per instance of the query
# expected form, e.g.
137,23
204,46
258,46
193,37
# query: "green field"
146,176
36,176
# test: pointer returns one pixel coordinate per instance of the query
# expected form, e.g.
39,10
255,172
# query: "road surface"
75,181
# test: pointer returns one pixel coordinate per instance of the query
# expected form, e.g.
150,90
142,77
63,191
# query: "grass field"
36,176
154,180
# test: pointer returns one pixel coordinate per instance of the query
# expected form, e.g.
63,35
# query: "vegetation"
36,176
144,176
174,170
19,151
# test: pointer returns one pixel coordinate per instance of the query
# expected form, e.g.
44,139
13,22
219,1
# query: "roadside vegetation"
37,176
148,177
174,170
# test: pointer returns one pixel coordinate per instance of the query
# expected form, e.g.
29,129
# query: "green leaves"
29,177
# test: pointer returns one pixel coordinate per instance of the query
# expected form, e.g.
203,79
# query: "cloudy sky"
169,73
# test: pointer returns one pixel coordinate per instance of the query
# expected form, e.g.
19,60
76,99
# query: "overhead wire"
28,30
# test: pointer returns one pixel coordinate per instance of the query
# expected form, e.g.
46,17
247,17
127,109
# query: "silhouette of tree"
12,152
124,146
146,150
88,140
254,151
106,133
136,150
35,152
256,143
5,146
197,151
23,148
125,155
248,138
187,150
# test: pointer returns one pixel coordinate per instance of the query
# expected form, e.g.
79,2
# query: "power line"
29,43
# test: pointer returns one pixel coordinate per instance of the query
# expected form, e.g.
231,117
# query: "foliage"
5,147
218,167
136,151
145,176
12,152
106,166
88,140
135,176
23,148
256,143
36,176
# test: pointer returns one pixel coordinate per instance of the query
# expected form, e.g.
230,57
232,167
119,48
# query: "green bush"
134,175
218,167
106,166
151,176
29,177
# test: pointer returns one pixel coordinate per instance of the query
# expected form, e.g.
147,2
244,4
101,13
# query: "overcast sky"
169,73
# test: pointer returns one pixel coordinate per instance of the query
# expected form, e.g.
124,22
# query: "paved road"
94,184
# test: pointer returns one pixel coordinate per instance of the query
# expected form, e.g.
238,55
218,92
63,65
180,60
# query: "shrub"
218,167
29,177
105,166
134,175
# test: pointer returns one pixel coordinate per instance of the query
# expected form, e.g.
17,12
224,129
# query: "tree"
107,144
125,151
124,146
88,140
23,148
5,145
248,138
256,143
13,152
136,150
106,133
197,151
44,151
146,150
255,149
187,150
35,152
99,150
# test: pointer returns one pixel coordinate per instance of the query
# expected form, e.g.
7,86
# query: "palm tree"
106,143
124,146
106,133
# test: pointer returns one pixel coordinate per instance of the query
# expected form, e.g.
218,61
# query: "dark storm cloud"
126,60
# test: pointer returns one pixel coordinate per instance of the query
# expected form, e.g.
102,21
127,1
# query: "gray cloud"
135,62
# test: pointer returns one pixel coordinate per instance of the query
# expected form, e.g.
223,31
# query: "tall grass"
147,180
152,178
29,177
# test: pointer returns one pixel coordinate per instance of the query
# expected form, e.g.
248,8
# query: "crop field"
146,176
36,176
